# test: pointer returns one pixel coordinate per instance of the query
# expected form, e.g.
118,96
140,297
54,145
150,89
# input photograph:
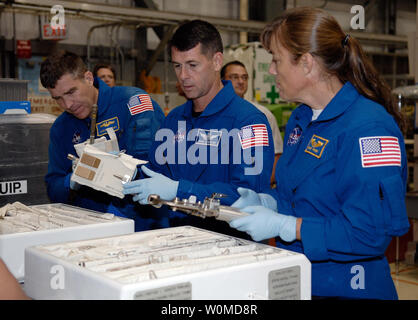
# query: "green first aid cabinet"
282,112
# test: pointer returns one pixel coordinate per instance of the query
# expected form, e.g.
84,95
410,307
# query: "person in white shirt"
236,72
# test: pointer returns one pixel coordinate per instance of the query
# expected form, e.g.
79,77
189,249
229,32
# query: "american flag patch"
253,136
380,152
140,103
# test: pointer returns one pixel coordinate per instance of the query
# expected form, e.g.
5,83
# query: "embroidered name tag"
208,137
109,123
316,146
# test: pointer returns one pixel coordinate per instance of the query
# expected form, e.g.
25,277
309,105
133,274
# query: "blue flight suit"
351,206
135,134
209,157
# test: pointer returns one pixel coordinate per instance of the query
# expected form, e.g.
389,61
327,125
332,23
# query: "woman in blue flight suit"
341,180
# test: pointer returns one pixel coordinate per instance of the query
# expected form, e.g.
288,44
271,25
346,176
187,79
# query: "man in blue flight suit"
129,111
214,142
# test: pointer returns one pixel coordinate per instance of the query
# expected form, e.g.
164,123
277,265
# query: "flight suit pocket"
392,197
142,130
140,137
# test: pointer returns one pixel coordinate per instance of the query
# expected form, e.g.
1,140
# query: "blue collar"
105,96
344,98
218,103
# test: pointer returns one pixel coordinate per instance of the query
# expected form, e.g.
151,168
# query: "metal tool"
74,159
210,207
93,123
125,179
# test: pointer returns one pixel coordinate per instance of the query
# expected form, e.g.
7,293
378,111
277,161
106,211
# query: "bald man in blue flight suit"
129,111
213,143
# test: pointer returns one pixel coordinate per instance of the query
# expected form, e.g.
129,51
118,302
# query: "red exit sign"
49,33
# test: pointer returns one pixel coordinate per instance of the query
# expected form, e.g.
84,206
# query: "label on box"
180,291
284,284
13,187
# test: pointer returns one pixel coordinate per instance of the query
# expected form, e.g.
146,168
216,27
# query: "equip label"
284,284
13,187
180,291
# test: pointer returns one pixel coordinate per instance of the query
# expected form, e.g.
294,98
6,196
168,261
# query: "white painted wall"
405,21
27,26
212,8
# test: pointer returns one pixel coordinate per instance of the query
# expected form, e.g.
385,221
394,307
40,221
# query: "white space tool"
210,207
102,166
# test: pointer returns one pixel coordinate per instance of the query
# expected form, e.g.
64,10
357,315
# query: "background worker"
130,111
236,72
340,196
201,127
105,72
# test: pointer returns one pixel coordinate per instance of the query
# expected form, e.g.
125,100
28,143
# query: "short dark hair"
99,66
58,64
191,33
231,63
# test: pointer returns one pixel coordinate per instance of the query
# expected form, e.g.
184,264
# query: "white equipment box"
23,226
174,263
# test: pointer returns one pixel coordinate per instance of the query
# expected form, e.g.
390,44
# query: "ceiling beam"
143,16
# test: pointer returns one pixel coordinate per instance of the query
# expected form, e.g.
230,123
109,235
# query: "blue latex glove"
68,182
252,198
156,184
263,223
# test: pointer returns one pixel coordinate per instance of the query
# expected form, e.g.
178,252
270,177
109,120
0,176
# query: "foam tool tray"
22,226
173,263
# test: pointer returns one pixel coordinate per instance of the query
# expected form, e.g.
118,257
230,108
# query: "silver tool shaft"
209,208
93,123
